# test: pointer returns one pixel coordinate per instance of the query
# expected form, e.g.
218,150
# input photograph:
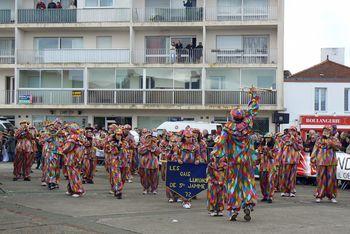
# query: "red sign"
324,120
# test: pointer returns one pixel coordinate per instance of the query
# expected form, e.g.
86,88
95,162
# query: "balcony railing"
51,97
242,56
133,96
191,14
222,97
5,16
241,13
90,15
73,56
168,56
7,56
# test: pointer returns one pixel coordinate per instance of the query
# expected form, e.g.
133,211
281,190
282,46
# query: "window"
347,99
42,43
159,78
104,42
260,78
223,79
320,99
98,3
102,78
66,79
187,78
129,78
71,43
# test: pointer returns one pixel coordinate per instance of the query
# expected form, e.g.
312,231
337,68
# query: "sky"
311,25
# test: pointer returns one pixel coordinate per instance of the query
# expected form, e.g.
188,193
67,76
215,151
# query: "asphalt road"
29,208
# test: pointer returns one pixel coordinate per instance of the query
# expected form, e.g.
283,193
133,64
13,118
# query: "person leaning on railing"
40,5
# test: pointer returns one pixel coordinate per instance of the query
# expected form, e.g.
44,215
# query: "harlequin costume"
216,174
149,152
202,145
24,152
235,141
90,160
116,148
292,144
74,150
278,161
324,158
188,152
130,151
267,168
107,154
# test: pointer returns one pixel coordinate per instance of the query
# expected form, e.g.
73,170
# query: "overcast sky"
311,25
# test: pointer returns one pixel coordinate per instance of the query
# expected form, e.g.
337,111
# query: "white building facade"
319,96
114,61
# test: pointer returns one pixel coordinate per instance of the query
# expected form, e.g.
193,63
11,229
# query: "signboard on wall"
25,99
324,120
77,93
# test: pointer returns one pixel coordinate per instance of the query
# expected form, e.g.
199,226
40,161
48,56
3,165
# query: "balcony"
242,56
192,14
168,56
188,97
95,15
73,56
5,16
220,97
50,97
242,14
7,56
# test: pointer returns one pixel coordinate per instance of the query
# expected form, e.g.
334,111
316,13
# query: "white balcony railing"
168,56
91,15
132,96
267,13
73,56
241,56
7,56
191,14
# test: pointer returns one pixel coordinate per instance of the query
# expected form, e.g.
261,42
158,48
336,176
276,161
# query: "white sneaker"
68,193
154,192
186,206
129,180
43,183
144,192
220,213
179,200
333,200
212,213
111,192
171,200
75,195
284,194
318,200
292,195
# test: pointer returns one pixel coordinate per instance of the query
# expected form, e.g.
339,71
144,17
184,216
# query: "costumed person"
45,146
131,152
90,160
149,152
292,144
235,141
216,174
278,161
116,149
324,158
52,156
267,167
109,137
74,150
168,148
24,152
188,152
202,145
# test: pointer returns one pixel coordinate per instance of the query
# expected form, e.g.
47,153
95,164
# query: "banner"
25,99
343,169
187,179
304,166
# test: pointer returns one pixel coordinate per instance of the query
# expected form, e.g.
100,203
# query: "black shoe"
269,200
233,216
90,181
84,181
15,179
118,195
56,186
51,186
26,179
247,214
263,200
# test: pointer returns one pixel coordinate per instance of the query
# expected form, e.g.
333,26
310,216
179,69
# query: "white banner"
343,169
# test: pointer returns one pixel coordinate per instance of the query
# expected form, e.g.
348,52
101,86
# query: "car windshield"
8,125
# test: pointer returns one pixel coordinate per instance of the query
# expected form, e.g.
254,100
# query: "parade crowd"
235,152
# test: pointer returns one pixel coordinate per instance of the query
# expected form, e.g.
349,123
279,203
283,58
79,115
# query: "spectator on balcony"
40,5
59,5
173,52
188,4
51,5
73,4
179,48
199,52
189,51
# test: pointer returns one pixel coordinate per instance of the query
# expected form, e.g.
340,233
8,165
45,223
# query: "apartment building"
106,61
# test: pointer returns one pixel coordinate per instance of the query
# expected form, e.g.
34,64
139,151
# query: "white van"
5,125
176,126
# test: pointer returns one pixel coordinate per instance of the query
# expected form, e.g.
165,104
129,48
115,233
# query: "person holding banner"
236,142
188,152
324,158
292,144
149,152
267,167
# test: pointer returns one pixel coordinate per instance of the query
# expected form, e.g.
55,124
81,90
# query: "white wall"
299,99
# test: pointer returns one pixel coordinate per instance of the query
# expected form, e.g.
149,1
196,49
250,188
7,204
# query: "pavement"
26,207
